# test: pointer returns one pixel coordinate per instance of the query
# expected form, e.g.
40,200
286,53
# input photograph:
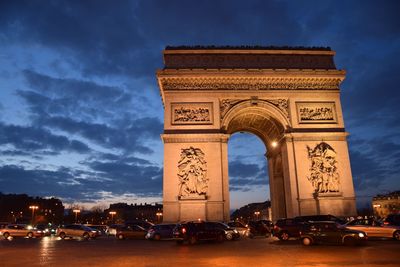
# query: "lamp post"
159,215
257,213
33,208
76,211
112,213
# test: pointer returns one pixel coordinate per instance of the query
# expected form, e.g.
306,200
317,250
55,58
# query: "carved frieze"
192,174
191,113
253,83
324,175
282,104
316,112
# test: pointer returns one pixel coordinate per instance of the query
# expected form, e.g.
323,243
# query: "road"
51,251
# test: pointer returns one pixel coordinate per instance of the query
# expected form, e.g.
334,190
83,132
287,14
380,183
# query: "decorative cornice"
195,138
251,83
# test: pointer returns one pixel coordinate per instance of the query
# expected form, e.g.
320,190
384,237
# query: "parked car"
315,218
242,229
160,231
20,230
47,229
260,228
195,231
100,228
392,219
287,228
112,229
330,233
76,230
130,231
374,228
230,233
142,223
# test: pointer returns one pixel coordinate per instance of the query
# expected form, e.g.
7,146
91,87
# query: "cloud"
373,163
38,140
101,114
243,176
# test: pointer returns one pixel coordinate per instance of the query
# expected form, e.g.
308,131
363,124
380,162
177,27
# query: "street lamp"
33,208
257,213
158,214
112,213
76,214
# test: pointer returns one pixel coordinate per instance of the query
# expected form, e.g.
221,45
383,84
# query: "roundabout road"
51,251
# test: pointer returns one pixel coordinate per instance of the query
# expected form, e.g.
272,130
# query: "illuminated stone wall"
296,112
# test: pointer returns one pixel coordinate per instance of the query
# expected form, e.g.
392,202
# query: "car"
142,223
287,228
100,228
195,231
47,229
392,219
112,229
76,230
230,233
160,231
130,231
374,228
330,233
260,228
20,230
242,229
315,218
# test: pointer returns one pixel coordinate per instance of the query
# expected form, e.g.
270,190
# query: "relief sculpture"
193,181
192,113
323,176
316,112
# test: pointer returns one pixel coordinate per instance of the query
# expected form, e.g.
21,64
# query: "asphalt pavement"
107,251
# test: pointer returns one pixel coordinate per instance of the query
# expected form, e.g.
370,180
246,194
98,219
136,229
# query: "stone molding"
195,138
251,83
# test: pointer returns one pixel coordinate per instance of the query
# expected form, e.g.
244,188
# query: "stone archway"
290,98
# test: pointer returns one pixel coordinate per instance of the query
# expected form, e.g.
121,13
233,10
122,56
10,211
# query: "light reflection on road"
47,247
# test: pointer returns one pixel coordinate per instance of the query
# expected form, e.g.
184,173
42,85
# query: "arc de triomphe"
288,97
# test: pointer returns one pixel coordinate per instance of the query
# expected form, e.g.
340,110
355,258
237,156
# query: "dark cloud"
242,176
100,114
39,140
373,162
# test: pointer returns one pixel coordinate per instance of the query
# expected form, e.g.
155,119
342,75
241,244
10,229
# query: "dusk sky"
80,109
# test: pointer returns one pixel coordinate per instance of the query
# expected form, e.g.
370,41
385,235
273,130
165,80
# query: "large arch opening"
268,124
248,177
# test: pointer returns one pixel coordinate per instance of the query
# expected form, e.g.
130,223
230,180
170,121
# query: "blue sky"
80,111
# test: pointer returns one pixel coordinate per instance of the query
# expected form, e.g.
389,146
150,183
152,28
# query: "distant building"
253,211
128,212
15,208
384,205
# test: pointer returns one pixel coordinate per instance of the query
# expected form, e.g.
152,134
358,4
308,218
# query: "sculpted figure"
192,173
323,168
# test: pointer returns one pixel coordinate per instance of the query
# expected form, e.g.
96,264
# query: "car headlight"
361,235
235,231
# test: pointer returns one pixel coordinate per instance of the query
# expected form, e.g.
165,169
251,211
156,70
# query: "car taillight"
385,223
183,230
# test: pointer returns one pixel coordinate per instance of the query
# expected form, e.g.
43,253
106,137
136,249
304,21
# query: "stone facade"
297,107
